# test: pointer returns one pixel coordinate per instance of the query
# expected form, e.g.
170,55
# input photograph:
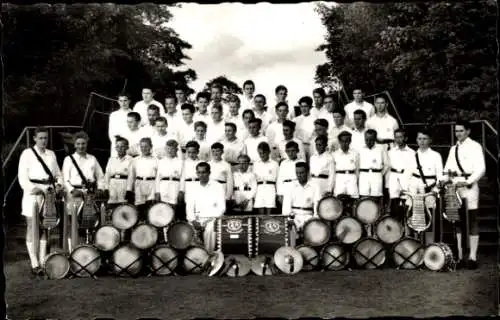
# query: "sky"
270,44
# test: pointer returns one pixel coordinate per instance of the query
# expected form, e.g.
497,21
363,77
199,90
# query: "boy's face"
172,151
399,139
145,148
345,142
329,104
200,132
247,117
202,105
249,89
281,95
244,164
305,109
338,119
318,99
423,140
132,123
170,105
320,146
291,153
254,129
216,115
121,148
192,153
320,130
359,121
161,127
370,140
234,108
187,116
263,154
282,112
287,132
217,154
229,131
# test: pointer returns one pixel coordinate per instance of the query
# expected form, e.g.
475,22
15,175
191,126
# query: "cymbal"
237,266
288,260
263,265
215,263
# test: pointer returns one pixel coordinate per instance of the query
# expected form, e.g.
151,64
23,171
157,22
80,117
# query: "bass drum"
369,253
334,257
164,260
161,215
56,266
439,257
408,253
348,230
181,235
330,208
195,260
107,238
389,230
310,257
367,210
144,236
316,232
126,261
85,261
125,216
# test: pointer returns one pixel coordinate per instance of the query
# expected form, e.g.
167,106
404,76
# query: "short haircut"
362,113
280,104
302,164
248,111
261,96
218,107
323,138
380,97
244,157
320,91
162,119
146,140
121,139
171,97
232,125
256,120
172,143
248,83
188,106
203,95
124,94
216,85
344,134
292,144
461,122
280,88
425,130
403,131
371,131
307,100
340,111
234,98
154,108
40,129
200,124
193,144
290,124
134,115
264,146
217,146
321,122
81,135
203,164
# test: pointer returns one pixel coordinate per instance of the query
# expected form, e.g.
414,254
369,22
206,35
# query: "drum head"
309,256
164,260
288,260
56,266
316,232
237,266
348,230
125,216
180,235
195,260
85,260
144,236
408,254
389,230
127,261
367,211
263,265
161,214
334,257
436,256
329,208
369,253
107,238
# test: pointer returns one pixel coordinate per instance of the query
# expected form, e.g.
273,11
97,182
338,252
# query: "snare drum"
85,261
367,210
126,261
310,257
330,208
439,257
408,253
389,230
195,260
144,236
234,235
316,232
369,253
107,238
348,230
164,260
56,265
181,235
160,214
271,233
125,216
334,257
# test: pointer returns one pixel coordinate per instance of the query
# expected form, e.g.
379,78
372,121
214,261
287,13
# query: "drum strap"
458,161
82,176
419,167
45,168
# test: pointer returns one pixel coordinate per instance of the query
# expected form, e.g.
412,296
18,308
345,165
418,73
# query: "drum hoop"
356,221
345,253
355,252
196,265
125,270
171,227
162,204
147,226
67,262
328,229
335,200
136,214
407,259
388,217
366,199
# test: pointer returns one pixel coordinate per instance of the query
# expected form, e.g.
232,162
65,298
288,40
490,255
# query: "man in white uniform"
319,98
35,180
148,129
464,167
208,205
118,120
346,163
168,179
260,112
141,107
383,123
358,104
305,125
116,174
133,134
248,95
202,101
162,134
233,147
358,133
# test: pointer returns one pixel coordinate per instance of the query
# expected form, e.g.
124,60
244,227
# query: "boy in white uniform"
141,107
373,164
288,134
221,170
233,147
117,125
243,132
260,112
173,115
339,126
148,129
346,162
134,134
358,133
383,123
274,131
305,125
189,177
253,141
200,137
358,104
266,172
322,167
117,173
162,134
234,114
168,179
245,187
202,101
286,173
216,127
247,97
186,125
319,98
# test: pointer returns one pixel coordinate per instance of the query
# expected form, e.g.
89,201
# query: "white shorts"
472,194
169,190
239,197
265,196
144,191
322,184
346,184
370,184
28,204
117,190
300,220
395,184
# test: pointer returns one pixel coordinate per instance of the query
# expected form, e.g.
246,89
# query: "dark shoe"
472,264
461,264
36,271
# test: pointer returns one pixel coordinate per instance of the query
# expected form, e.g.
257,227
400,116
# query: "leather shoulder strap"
419,167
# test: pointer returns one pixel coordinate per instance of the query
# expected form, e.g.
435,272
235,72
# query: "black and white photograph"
249,160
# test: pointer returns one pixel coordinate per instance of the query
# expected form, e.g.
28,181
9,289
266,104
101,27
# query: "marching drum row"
342,236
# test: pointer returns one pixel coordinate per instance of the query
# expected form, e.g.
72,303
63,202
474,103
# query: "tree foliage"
437,59
55,55
228,86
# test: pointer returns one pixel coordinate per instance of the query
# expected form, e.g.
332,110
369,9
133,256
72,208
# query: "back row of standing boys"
253,155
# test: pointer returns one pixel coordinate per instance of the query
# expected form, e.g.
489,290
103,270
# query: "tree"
423,53
57,54
228,86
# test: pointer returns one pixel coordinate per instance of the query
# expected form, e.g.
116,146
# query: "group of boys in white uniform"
256,157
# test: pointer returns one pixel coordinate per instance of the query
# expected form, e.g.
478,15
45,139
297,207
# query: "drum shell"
181,235
271,233
378,254
310,231
166,254
125,216
447,256
62,270
114,240
327,257
144,236
325,210
126,257
395,235
354,234
363,216
93,260
416,260
195,259
310,256
235,235
163,220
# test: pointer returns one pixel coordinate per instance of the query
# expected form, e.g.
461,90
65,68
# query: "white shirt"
160,143
349,109
246,103
399,158
189,171
141,107
358,139
346,161
266,171
274,133
237,120
221,171
286,175
147,130
384,126
232,150
185,132
300,197
202,117
304,127
30,168
266,118
143,167
432,165
374,158
333,134
251,144
134,139
471,156
209,202
116,166
225,108
173,121
169,168
315,112
323,164
90,169
117,124
245,185
282,149
215,131
205,146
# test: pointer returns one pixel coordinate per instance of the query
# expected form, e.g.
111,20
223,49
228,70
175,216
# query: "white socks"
474,243
43,251
32,254
459,246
